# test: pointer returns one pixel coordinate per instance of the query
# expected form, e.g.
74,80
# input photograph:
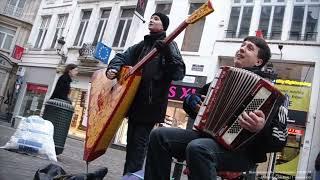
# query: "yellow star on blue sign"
102,52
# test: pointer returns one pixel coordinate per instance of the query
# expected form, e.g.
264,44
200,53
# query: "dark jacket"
62,88
272,138
317,163
150,103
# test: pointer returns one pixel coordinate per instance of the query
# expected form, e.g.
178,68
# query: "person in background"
150,102
205,156
62,89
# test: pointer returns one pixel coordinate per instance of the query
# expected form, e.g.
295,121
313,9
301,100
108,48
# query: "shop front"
175,115
78,98
5,69
33,99
32,89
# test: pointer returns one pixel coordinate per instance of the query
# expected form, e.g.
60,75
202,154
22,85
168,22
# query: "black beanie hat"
164,19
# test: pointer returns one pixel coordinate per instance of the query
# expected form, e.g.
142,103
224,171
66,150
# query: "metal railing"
232,33
298,36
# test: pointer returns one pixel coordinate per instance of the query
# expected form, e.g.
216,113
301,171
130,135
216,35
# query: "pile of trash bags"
34,136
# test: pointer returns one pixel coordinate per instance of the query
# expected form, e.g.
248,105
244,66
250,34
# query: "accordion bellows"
232,92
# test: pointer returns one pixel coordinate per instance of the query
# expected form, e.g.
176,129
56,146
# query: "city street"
15,166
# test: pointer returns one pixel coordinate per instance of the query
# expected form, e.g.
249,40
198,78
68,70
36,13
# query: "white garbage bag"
33,136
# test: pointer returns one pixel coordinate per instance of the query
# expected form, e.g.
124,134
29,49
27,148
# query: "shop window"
33,99
121,135
193,34
78,98
82,28
175,116
123,28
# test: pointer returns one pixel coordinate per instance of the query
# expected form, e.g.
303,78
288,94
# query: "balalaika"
232,92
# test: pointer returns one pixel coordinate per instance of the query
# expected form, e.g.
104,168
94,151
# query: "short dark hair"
264,52
69,67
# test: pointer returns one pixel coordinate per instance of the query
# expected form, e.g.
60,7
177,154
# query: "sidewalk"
15,166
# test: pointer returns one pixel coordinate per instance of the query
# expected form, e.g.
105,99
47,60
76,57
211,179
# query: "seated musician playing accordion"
204,154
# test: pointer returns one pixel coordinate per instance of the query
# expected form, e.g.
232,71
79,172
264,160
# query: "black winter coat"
272,138
62,88
150,103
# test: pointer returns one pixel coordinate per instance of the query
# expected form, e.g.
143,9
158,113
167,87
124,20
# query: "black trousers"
137,140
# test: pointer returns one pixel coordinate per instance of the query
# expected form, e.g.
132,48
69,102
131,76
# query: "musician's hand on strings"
112,73
163,48
252,121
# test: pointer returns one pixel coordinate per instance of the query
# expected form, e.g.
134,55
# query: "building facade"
16,20
290,27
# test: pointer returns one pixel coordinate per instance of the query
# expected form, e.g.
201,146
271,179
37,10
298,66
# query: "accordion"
232,92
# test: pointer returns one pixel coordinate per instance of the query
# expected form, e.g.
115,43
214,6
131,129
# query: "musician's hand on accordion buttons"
194,101
199,103
112,73
253,122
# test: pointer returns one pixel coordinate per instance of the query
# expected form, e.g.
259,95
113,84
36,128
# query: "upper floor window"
7,34
193,34
164,8
42,31
82,28
103,21
123,28
240,19
304,22
271,20
15,7
61,25
243,2
274,1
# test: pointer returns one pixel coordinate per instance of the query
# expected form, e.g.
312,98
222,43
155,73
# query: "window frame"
273,4
99,35
188,32
242,4
14,10
6,34
303,35
163,11
45,21
124,31
59,29
78,40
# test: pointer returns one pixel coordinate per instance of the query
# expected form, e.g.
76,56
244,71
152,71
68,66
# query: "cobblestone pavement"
15,166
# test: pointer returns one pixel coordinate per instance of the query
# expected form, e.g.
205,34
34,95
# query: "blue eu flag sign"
102,52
